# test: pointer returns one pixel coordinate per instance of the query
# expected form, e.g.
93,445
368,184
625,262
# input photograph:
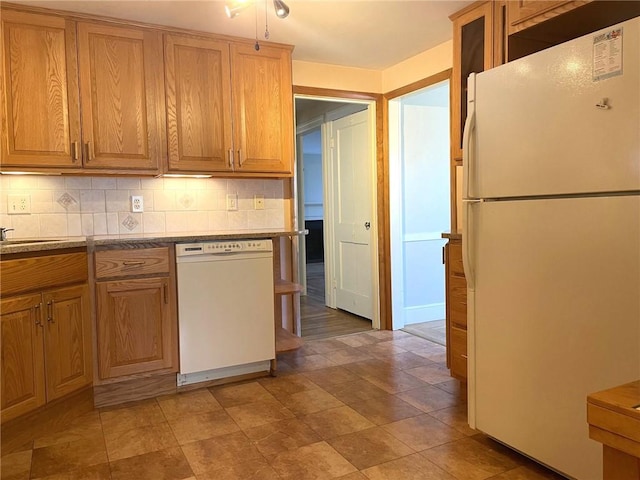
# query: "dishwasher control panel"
222,247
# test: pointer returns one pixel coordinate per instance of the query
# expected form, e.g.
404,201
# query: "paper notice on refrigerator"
607,54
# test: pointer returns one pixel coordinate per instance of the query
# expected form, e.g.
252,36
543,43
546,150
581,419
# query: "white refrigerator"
551,243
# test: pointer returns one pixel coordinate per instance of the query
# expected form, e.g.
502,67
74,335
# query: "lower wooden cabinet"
134,326
136,312
45,338
456,324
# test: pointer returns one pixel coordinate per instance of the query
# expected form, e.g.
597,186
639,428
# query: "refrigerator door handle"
467,247
469,129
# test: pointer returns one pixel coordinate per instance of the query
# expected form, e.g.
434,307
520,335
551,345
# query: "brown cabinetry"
229,107
80,96
525,13
136,311
46,334
456,322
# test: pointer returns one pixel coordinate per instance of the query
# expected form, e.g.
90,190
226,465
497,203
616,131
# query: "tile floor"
435,330
378,405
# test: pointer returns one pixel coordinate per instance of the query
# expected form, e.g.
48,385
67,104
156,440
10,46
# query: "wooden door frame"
382,189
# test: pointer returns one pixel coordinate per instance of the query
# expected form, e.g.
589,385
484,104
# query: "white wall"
83,206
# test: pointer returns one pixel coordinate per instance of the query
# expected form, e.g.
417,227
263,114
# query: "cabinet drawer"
28,274
118,263
458,301
458,339
455,260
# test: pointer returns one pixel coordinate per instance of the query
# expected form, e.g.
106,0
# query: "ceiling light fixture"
282,9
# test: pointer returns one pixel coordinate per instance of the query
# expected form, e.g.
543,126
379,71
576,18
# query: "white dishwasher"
225,308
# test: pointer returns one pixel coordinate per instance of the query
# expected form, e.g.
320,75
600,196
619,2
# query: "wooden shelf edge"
286,341
284,287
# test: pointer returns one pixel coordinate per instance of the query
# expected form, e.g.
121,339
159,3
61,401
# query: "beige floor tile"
454,387
383,349
358,340
353,476
347,355
310,362
430,373
455,417
188,403
255,414
469,459
406,360
422,432
412,467
16,466
95,472
413,343
325,346
310,401
318,461
282,386
126,417
202,426
337,421
256,469
86,426
277,437
331,377
356,392
396,382
386,409
530,472
220,452
232,395
369,447
168,464
139,441
388,334
67,457
372,368
428,398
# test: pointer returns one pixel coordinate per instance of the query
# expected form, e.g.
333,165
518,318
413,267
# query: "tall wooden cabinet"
456,322
229,107
45,330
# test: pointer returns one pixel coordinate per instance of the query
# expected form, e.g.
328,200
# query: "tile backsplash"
83,206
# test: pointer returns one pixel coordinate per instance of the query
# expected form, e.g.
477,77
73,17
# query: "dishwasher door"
225,311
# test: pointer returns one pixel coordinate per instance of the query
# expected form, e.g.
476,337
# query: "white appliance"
225,308
552,243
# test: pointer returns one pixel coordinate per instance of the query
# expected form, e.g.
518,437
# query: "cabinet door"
40,114
522,12
121,90
136,325
68,340
198,92
262,109
472,53
21,340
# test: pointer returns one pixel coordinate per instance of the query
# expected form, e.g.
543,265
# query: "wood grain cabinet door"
67,340
198,94
121,90
135,328
262,109
22,365
40,104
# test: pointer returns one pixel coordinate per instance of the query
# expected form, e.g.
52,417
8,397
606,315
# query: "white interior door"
351,164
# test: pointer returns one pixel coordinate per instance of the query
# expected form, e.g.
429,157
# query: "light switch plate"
18,204
232,201
258,202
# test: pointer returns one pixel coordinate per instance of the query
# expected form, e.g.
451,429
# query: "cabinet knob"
75,151
38,312
50,318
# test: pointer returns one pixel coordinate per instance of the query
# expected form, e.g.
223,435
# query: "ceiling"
367,34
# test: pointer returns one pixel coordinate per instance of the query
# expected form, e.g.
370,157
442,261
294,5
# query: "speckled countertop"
39,244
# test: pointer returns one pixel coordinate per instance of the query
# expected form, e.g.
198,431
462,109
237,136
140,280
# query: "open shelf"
286,341
285,287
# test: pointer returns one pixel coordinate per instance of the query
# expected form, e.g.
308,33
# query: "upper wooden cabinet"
262,109
40,96
525,13
198,95
121,90
229,107
81,97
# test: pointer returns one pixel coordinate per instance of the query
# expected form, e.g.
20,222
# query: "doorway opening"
335,183
419,201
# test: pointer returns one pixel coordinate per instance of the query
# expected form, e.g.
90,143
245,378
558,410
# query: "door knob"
367,225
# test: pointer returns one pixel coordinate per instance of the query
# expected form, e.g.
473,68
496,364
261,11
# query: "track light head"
282,9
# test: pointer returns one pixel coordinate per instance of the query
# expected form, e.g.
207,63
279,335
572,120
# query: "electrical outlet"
137,203
258,202
232,201
18,204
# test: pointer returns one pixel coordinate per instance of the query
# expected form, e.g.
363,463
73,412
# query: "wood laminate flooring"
319,321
